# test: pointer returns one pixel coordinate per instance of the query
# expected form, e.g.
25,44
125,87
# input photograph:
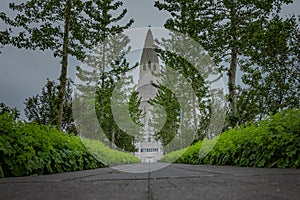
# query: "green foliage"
173,156
270,143
183,92
4,35
272,75
13,112
42,108
28,149
228,30
167,99
134,111
104,83
43,24
108,156
65,27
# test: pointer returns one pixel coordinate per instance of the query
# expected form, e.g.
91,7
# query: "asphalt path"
158,181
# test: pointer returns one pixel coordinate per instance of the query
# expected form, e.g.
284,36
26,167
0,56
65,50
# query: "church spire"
149,60
149,53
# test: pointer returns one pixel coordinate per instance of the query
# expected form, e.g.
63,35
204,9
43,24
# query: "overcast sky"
23,72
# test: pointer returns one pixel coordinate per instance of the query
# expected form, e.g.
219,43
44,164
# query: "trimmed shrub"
28,148
274,142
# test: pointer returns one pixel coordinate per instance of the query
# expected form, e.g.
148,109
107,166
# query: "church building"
148,149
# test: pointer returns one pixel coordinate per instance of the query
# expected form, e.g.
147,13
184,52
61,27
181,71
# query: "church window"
149,64
144,67
154,67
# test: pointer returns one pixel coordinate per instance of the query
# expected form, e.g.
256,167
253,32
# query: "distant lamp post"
180,128
149,130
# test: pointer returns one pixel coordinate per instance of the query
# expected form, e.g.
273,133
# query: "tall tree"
113,117
101,72
272,74
222,27
166,131
125,114
183,91
4,35
42,108
67,27
13,112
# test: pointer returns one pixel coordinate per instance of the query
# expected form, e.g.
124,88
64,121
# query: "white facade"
148,150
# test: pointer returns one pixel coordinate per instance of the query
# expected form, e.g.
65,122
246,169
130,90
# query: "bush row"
274,142
27,149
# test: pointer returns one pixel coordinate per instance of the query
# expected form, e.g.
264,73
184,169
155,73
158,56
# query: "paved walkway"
171,182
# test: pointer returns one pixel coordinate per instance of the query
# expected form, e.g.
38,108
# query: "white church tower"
148,150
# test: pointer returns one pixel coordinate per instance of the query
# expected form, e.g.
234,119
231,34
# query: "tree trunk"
195,117
64,66
232,85
233,66
102,77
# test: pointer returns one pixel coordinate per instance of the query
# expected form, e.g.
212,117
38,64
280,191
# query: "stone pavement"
170,182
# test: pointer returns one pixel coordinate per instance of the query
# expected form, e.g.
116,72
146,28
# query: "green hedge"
274,142
28,149
109,156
